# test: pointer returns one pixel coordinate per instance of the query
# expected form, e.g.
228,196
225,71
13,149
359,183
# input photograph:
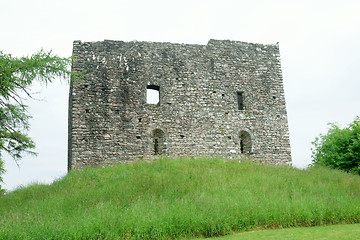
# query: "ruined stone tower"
225,98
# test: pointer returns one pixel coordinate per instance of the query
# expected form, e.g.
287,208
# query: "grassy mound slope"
338,232
178,198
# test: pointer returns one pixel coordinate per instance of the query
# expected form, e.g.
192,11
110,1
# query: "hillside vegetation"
179,198
338,232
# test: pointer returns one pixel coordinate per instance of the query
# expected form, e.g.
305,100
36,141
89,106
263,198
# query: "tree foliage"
339,148
16,77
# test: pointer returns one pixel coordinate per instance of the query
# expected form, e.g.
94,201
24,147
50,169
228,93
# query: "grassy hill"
324,232
179,198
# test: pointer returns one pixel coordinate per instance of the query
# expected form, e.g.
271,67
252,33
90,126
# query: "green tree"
339,148
16,77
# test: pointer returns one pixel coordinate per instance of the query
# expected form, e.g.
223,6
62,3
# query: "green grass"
179,198
344,232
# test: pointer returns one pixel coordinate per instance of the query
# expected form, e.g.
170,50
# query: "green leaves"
16,76
339,148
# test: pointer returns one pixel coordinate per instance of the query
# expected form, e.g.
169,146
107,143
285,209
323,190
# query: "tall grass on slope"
179,198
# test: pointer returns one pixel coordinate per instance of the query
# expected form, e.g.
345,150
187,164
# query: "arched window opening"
153,94
158,146
245,142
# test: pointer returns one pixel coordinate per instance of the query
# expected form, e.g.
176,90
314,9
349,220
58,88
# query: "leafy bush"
339,148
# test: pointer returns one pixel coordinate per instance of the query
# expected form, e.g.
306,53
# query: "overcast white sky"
319,47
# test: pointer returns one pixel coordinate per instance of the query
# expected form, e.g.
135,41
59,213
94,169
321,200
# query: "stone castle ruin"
225,99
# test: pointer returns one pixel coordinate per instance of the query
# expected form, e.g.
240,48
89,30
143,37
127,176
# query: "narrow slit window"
240,98
241,146
153,95
156,146
158,142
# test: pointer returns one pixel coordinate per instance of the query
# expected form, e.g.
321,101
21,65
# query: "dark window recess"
240,97
156,146
138,137
182,136
87,110
212,64
245,142
158,142
229,137
153,94
139,119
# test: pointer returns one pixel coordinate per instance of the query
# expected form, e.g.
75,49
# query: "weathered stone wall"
198,113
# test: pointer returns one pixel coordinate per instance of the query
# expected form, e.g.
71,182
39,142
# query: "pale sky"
319,47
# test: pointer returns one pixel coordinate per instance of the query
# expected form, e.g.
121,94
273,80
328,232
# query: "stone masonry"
225,99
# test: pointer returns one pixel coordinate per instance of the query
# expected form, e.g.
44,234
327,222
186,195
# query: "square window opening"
153,95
